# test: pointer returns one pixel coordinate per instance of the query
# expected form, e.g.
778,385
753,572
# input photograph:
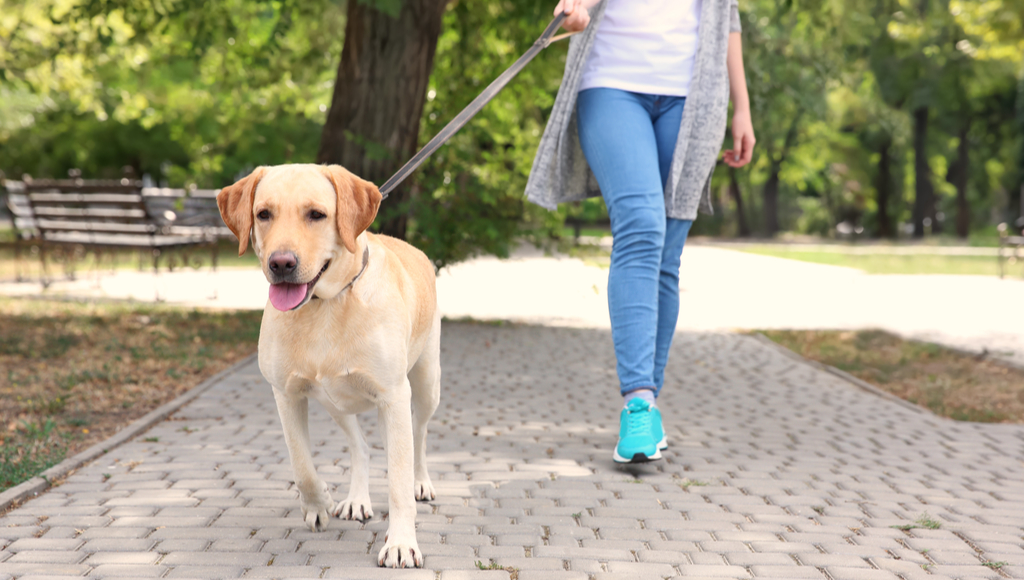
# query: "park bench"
1011,247
23,225
71,217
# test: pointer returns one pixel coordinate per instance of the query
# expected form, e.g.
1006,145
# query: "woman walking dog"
640,119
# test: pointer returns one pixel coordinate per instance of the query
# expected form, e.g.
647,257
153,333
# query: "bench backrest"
95,207
17,205
200,208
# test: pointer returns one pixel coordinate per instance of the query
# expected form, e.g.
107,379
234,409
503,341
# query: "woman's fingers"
575,19
743,144
731,158
748,148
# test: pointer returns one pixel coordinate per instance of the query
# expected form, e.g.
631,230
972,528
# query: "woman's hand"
577,17
742,140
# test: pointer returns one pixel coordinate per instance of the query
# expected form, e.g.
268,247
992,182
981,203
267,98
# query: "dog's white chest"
341,392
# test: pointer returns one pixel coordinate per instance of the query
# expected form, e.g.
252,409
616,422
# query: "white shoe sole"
663,444
638,458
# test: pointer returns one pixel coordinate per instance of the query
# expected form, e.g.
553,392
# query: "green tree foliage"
194,91
187,90
470,192
858,70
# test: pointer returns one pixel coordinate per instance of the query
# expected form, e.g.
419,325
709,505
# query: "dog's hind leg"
425,379
357,505
314,496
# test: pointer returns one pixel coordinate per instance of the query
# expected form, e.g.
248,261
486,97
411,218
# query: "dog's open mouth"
285,296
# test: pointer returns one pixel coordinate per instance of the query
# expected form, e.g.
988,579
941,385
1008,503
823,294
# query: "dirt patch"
73,374
949,383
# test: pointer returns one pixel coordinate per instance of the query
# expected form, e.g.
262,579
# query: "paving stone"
552,575
215,559
714,571
124,558
45,557
841,573
474,575
379,574
641,569
129,570
205,572
786,571
283,572
801,467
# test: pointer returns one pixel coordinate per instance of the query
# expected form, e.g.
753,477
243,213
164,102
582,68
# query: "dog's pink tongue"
286,296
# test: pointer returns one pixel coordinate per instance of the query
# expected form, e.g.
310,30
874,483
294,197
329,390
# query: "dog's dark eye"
316,215
264,215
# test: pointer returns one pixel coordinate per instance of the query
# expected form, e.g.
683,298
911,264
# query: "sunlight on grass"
886,263
85,264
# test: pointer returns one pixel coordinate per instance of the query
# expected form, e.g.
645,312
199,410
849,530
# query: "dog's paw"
354,509
424,490
316,510
317,520
399,554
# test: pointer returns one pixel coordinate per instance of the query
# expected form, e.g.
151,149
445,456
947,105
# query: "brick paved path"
775,470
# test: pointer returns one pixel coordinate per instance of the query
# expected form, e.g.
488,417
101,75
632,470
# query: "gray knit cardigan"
560,172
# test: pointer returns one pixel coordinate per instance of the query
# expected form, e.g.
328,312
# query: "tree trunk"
924,204
884,189
771,187
771,202
373,125
963,210
742,227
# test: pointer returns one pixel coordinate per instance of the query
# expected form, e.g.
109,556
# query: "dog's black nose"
283,263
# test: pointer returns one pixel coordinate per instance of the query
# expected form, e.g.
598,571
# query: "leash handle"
473,108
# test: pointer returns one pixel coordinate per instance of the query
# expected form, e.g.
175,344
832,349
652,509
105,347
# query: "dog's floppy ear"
235,204
358,201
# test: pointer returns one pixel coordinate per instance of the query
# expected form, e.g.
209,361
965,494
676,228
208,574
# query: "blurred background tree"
886,117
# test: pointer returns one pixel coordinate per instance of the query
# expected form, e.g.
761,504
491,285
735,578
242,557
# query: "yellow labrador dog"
352,322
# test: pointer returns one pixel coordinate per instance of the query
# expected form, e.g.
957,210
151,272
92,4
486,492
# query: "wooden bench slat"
90,212
113,227
121,240
86,198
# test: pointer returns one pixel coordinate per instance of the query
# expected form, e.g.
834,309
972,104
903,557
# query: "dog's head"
304,221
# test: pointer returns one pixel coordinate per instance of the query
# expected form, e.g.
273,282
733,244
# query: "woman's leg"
618,139
668,115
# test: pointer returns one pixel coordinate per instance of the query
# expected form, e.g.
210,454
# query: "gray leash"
473,108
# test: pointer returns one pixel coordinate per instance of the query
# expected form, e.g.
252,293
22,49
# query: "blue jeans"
628,140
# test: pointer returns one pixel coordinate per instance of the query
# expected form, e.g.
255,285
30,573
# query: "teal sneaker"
657,431
636,439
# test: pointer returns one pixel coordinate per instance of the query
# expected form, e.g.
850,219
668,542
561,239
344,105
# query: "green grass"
568,232
39,449
74,373
688,483
924,521
889,263
951,384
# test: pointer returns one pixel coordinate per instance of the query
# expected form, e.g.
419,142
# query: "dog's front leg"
314,497
357,505
400,548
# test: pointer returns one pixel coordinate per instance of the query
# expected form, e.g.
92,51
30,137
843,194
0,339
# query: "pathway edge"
863,385
40,483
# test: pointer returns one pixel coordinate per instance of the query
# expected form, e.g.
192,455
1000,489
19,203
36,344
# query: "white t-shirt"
645,46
